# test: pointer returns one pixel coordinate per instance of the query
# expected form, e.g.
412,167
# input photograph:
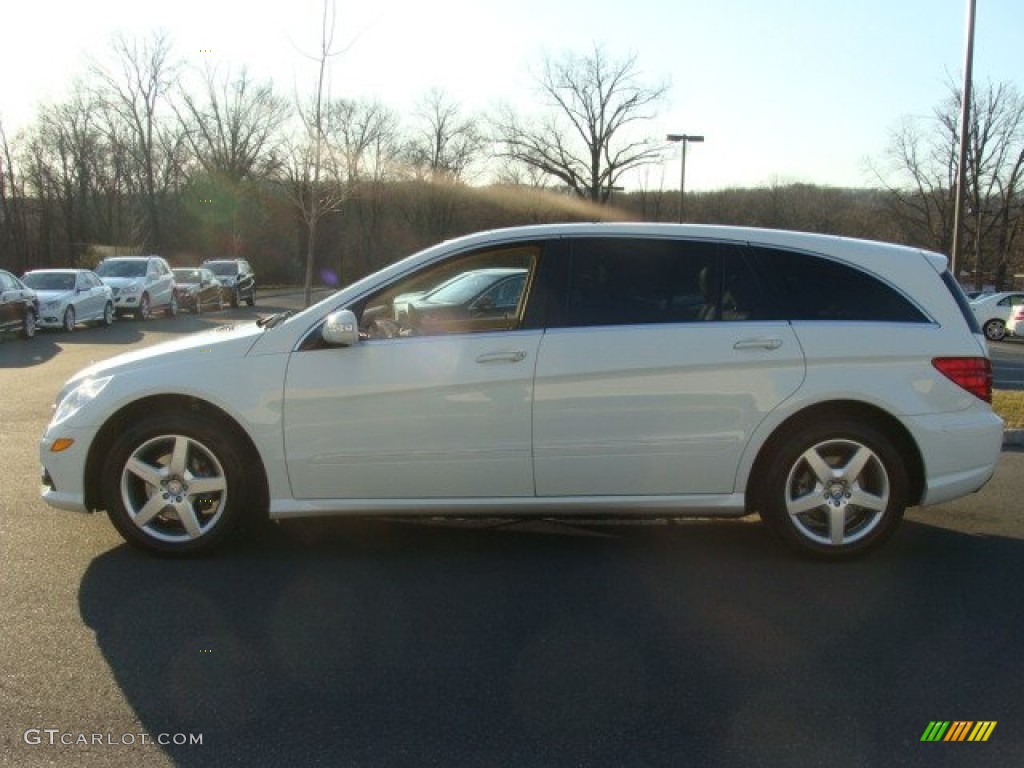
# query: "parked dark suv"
237,277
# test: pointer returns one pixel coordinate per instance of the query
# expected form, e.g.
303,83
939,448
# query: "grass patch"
1010,405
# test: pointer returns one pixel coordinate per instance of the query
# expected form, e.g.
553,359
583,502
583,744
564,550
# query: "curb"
1013,438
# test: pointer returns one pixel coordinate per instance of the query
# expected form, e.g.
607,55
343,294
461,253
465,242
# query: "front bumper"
63,473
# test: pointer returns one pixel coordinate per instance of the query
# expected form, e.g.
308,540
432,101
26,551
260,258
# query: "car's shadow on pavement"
347,642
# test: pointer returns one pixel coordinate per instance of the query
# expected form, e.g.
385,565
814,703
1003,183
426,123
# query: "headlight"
74,400
132,288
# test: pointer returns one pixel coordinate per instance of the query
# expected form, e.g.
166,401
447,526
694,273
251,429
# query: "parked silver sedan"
70,296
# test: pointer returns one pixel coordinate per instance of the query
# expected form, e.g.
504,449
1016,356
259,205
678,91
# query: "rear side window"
816,288
634,281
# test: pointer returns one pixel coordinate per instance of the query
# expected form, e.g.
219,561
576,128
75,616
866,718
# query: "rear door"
664,357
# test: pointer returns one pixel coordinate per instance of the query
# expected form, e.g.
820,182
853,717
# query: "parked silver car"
71,296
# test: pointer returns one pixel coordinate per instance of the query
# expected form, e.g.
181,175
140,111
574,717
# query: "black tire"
252,298
995,330
108,315
815,478
172,308
199,304
28,324
69,319
206,453
144,313
234,299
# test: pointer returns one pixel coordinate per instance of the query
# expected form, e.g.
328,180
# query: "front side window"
473,293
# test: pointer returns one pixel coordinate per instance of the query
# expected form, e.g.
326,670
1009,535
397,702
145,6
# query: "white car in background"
70,296
993,311
647,370
142,285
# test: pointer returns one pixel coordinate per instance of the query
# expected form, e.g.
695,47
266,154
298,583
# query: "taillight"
972,373
1019,314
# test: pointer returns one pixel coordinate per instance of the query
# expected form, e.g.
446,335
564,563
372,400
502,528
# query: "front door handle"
765,342
502,357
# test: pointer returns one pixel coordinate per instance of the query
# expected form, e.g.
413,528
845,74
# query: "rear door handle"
765,342
502,357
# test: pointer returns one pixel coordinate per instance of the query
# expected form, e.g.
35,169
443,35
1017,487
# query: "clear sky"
783,90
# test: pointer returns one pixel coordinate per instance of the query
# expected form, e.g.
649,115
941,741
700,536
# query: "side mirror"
341,329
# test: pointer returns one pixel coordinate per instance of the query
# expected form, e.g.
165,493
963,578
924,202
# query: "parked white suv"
141,285
666,370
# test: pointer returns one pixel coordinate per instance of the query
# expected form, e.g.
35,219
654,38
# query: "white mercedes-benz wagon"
578,369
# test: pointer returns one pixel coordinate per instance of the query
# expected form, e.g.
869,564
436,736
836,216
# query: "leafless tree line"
147,154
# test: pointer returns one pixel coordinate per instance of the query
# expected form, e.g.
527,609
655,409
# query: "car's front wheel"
28,324
172,308
144,313
175,484
69,319
835,489
995,329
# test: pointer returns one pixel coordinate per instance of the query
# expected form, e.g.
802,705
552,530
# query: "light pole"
685,139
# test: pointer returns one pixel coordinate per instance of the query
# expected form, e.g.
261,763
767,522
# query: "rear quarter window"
816,288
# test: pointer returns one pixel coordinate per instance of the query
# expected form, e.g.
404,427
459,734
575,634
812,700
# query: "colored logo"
959,730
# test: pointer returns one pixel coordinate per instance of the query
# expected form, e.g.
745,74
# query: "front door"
431,411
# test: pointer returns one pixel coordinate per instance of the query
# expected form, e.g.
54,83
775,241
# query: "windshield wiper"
272,321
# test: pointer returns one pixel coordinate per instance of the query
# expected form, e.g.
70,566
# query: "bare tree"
440,153
14,239
585,140
312,166
919,172
445,142
134,96
235,128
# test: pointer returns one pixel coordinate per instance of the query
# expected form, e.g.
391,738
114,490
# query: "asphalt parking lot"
540,643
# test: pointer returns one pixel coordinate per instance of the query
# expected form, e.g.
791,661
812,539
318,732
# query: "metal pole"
682,185
961,170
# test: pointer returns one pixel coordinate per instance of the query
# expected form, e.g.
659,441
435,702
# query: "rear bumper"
960,451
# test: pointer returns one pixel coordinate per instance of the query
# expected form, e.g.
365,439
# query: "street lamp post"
685,139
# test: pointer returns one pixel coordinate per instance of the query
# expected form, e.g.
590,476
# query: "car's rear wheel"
835,489
108,314
69,319
174,484
995,329
28,324
172,308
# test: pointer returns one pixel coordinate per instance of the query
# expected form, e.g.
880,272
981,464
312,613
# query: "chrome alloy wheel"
837,492
174,489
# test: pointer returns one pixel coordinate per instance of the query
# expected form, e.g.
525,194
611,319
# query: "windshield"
187,275
50,281
222,268
461,289
122,268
